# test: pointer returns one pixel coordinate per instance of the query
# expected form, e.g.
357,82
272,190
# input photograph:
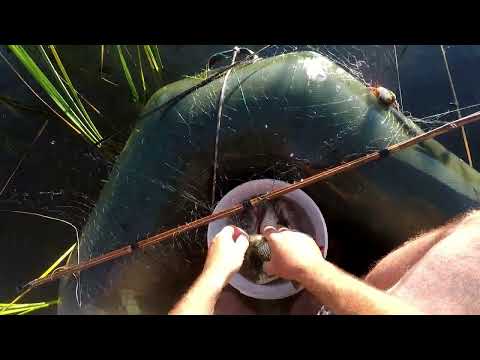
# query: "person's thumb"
242,243
227,232
272,234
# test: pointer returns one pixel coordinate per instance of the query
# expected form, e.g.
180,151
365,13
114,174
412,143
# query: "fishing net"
72,197
371,64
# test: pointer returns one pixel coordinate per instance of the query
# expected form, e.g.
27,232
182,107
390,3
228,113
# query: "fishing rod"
253,202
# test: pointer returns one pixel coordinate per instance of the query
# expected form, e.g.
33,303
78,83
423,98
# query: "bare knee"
472,218
389,269
468,219
467,231
466,222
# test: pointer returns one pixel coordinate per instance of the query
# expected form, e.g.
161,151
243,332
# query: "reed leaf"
141,72
158,56
128,76
22,309
102,50
6,309
37,308
73,90
58,261
53,93
21,306
150,57
81,118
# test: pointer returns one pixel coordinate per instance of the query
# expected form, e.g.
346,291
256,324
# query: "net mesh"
372,65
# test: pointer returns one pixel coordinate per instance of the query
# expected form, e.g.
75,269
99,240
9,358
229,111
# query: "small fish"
253,221
270,217
260,250
286,214
249,221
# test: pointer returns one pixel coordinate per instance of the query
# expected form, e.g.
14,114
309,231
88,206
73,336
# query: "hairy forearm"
344,294
202,296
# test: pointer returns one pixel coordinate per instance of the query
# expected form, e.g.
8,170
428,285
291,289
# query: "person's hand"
226,253
292,253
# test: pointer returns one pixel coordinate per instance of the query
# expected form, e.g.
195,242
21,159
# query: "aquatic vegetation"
21,309
153,60
202,75
144,86
53,78
64,96
45,65
128,76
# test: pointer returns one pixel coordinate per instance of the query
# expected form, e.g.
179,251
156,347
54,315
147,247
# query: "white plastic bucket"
277,289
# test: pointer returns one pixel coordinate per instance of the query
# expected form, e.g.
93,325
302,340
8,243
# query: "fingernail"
237,232
242,240
269,229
